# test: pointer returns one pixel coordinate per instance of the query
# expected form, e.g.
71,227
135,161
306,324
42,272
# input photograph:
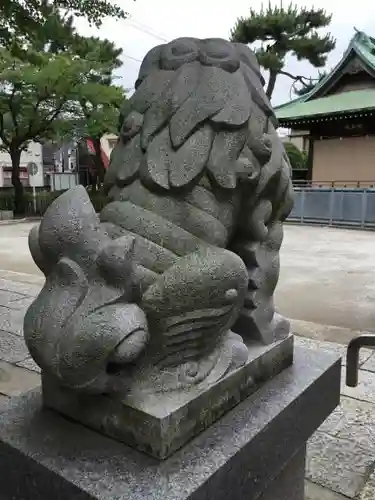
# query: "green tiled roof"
345,102
364,47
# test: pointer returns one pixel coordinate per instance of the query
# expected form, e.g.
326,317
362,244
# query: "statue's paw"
240,352
130,348
280,326
232,354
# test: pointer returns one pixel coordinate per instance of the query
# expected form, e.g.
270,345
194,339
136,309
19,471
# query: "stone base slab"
289,484
256,451
161,424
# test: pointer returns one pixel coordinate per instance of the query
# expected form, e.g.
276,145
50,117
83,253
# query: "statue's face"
209,52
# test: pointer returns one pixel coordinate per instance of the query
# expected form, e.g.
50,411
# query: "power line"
149,29
132,58
146,29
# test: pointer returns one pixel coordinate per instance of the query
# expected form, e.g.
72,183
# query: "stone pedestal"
160,423
256,451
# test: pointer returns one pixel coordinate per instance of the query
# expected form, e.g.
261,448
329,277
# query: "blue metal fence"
334,206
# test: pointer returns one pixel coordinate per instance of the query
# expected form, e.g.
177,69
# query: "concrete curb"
20,221
325,333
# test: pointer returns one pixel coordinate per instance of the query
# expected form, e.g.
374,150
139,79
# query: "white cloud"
167,19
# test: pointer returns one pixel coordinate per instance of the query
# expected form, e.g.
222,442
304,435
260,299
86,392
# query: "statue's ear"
70,227
36,252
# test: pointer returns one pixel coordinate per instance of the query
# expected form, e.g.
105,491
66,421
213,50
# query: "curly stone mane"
199,107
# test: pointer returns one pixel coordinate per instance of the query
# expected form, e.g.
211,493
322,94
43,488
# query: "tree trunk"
99,164
93,176
271,84
19,201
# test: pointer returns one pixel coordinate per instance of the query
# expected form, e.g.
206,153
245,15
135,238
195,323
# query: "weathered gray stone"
369,365
325,333
30,364
159,424
11,320
316,492
12,347
15,380
357,424
167,296
368,492
14,296
352,419
7,297
27,289
21,304
341,465
365,389
3,399
257,448
339,349
289,483
332,423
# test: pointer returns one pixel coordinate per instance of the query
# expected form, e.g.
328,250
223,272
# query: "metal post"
303,192
341,205
32,169
364,208
331,205
34,199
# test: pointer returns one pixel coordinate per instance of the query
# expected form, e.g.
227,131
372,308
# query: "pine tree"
22,18
283,31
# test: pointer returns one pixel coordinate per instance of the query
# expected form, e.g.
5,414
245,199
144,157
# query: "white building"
56,166
108,142
33,154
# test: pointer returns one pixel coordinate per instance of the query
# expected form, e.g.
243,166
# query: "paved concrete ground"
328,277
14,250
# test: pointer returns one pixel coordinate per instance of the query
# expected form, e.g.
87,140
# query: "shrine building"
335,122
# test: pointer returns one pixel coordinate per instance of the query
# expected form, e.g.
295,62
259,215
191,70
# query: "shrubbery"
43,201
297,158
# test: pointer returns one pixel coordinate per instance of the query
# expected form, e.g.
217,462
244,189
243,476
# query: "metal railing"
335,204
334,184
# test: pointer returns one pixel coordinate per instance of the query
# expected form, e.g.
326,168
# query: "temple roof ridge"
360,46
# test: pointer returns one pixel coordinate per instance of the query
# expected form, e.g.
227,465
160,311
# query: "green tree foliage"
56,84
40,99
297,158
22,18
100,112
101,99
283,31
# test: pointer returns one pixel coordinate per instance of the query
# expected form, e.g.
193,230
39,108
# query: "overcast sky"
153,22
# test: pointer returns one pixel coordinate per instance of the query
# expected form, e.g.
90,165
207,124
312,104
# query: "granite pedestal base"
255,452
159,424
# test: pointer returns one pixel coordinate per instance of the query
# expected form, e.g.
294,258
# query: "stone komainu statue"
174,282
